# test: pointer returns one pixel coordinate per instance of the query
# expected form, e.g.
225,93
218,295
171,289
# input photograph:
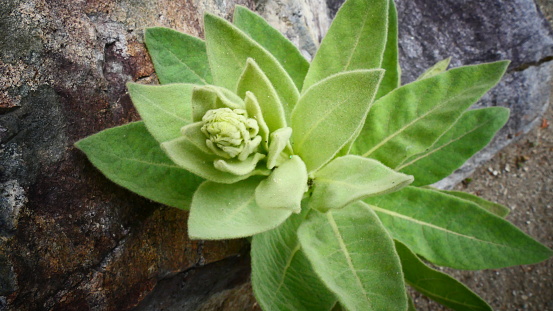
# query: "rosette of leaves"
327,165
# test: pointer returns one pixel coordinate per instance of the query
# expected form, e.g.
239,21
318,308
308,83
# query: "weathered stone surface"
69,238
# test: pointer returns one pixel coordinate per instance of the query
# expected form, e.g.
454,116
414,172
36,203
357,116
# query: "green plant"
325,164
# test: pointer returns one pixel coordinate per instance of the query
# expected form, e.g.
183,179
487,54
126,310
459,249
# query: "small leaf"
494,208
254,111
280,139
282,277
130,157
164,108
390,60
353,255
411,118
453,232
472,132
271,39
177,57
255,81
350,178
228,49
437,285
191,153
328,115
229,211
284,188
210,97
237,167
438,68
356,40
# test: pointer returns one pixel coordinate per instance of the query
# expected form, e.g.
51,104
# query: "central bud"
230,133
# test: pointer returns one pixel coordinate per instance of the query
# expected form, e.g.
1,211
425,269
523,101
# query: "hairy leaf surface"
454,232
355,257
130,157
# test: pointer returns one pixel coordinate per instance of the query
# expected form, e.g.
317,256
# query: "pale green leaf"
284,188
437,285
454,232
254,111
355,257
163,108
210,97
228,49
411,118
229,211
177,57
282,277
191,153
492,207
355,40
328,115
438,68
130,157
237,167
280,140
255,81
390,60
472,132
349,178
273,41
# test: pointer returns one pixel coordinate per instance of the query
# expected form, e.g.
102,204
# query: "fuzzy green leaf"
437,285
390,61
177,57
163,108
190,152
282,277
229,211
454,232
284,188
130,157
328,115
210,97
411,118
472,132
356,40
494,208
255,81
273,41
228,49
355,257
350,178
438,68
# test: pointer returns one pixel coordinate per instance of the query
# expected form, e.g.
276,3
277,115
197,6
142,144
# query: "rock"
69,238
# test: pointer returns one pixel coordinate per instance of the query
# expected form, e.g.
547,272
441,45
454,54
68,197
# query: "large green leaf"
453,232
472,132
349,178
163,108
271,39
492,207
282,277
355,257
437,285
328,115
411,118
177,57
229,211
254,80
130,157
390,60
356,40
228,49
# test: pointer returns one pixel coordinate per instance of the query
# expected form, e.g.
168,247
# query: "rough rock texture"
69,238
72,240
